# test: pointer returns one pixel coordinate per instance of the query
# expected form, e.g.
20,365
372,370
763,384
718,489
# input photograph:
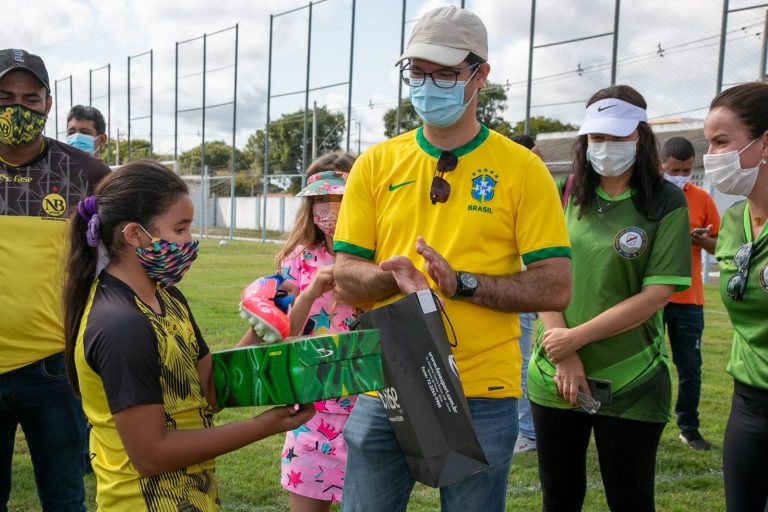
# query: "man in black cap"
41,181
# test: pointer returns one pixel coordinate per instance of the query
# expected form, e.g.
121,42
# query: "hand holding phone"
699,231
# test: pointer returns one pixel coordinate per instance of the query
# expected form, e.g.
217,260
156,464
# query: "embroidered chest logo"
630,242
484,185
764,278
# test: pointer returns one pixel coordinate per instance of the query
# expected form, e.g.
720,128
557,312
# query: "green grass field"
249,478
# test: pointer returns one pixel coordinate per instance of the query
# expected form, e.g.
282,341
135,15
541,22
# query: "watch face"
468,280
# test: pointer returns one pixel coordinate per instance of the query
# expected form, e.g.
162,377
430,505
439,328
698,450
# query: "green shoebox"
300,370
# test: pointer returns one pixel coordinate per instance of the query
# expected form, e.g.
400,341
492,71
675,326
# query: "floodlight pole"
351,61
176,109
109,103
151,102
109,110
265,171
532,33
128,147
764,51
306,99
615,41
399,81
204,168
232,209
721,56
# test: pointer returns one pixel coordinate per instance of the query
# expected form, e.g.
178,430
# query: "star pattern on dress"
332,477
286,273
322,319
294,479
299,430
291,454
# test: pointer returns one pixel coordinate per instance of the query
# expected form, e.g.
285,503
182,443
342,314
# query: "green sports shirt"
749,353
616,251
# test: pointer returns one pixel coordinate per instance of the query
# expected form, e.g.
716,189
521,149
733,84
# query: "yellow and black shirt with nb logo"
127,355
36,200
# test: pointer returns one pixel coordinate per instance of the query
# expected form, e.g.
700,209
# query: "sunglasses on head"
738,281
441,189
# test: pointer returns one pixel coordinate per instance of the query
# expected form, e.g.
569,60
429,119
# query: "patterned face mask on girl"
324,215
166,262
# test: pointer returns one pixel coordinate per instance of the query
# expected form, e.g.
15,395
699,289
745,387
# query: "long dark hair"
304,231
749,102
645,178
137,192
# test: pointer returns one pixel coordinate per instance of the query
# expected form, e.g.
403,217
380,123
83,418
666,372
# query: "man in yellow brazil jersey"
455,206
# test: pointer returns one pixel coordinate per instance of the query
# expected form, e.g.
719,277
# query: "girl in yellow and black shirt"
135,354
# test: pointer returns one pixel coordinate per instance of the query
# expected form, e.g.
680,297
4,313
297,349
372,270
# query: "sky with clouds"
667,50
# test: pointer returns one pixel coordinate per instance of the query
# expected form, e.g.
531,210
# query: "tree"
541,124
286,136
409,120
218,155
139,150
491,103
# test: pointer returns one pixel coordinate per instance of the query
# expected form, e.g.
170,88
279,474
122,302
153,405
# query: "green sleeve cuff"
549,252
681,283
353,249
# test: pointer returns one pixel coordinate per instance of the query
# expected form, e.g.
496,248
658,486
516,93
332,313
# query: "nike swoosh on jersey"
393,187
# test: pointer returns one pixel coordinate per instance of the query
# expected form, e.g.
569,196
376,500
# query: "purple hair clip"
88,210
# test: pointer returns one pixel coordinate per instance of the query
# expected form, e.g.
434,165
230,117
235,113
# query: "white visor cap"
612,116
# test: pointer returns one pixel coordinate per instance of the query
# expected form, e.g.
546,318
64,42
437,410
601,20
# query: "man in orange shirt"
684,314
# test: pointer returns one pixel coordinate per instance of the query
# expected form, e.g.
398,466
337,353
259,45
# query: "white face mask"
680,181
725,173
611,158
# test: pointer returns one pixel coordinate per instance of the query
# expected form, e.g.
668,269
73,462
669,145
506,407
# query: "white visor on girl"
612,116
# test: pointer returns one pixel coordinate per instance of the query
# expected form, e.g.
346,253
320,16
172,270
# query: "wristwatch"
466,284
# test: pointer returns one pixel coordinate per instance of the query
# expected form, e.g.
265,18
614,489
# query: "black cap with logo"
12,59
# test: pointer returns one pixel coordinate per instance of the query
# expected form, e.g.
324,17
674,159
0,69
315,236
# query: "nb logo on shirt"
54,205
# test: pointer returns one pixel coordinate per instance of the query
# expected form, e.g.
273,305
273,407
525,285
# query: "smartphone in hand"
699,231
601,390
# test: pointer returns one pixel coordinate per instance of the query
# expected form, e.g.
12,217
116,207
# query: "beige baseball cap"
446,36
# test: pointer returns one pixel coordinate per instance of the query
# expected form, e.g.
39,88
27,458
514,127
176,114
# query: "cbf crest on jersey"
630,242
484,185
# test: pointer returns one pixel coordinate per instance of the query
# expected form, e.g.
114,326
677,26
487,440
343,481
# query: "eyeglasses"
442,78
738,281
441,189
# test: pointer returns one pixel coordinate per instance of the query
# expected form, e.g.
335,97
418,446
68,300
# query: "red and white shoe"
257,305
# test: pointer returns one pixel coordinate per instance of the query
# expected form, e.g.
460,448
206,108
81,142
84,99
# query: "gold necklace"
602,207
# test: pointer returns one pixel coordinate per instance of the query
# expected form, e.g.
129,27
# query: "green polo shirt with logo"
616,251
749,353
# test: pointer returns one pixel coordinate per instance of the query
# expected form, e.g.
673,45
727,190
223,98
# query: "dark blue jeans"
377,478
38,398
684,324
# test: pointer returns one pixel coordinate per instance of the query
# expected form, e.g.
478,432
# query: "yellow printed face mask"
20,125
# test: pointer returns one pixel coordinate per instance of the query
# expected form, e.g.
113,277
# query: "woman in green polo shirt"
736,128
630,251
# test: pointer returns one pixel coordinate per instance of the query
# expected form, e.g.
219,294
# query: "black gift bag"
423,397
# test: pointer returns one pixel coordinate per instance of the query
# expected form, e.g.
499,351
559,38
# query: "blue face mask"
440,107
82,142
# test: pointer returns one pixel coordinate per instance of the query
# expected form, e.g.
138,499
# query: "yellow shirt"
127,355
503,206
36,200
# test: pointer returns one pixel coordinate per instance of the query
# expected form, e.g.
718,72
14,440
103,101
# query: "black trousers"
745,450
626,451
